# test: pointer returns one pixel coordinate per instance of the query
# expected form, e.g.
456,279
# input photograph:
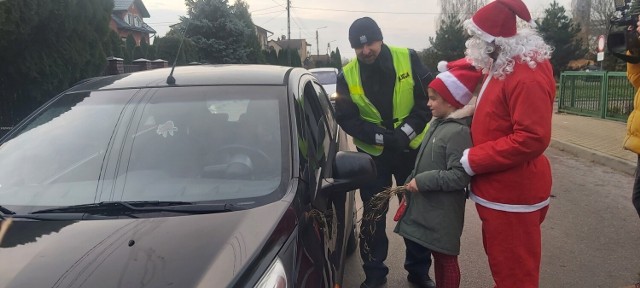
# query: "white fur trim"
465,162
508,207
442,66
457,89
484,85
533,23
474,30
465,111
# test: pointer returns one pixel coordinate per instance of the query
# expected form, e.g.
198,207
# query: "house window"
138,22
130,19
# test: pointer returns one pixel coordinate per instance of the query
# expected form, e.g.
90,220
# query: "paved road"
591,236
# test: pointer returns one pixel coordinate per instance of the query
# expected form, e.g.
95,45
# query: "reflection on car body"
236,176
328,77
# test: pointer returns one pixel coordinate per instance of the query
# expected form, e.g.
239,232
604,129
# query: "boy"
435,200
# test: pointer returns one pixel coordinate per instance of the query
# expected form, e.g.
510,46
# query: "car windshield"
326,77
219,144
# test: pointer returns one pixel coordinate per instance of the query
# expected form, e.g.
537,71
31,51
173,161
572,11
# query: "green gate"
601,94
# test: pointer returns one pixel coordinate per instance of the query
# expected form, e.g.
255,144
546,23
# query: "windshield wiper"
124,207
6,211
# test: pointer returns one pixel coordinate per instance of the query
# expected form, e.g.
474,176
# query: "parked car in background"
233,176
328,77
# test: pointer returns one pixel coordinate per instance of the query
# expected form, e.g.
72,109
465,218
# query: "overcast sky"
407,23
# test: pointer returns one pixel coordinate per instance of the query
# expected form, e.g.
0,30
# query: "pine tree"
336,59
450,38
47,46
166,48
115,45
559,31
284,57
144,47
271,56
218,34
295,58
254,55
430,58
129,47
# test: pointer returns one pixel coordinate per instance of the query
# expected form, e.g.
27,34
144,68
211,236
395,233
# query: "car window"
327,109
326,77
316,118
226,144
208,144
57,157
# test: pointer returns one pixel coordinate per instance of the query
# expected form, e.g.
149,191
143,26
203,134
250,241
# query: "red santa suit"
511,128
511,181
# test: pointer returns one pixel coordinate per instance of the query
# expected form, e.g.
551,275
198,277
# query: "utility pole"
317,42
289,30
289,19
329,47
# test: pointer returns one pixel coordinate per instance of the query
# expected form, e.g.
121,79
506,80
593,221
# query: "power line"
279,4
265,8
375,12
301,27
274,17
267,13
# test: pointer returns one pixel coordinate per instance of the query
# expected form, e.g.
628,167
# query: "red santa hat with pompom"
457,82
498,19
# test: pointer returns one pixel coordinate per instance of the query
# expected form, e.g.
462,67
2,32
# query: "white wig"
527,46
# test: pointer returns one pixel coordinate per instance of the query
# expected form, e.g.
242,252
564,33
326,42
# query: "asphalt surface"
591,235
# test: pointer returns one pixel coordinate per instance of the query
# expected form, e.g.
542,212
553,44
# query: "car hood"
183,251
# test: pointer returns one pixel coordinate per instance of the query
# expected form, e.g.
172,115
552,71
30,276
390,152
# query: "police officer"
382,104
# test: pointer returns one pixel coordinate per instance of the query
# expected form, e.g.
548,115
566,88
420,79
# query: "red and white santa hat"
498,19
457,82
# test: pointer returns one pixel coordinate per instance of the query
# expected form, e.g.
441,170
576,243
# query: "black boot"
422,281
374,283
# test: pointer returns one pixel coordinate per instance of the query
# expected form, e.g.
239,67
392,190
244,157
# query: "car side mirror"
350,171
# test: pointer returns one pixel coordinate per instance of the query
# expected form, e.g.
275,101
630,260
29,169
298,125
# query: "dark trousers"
635,197
374,244
417,259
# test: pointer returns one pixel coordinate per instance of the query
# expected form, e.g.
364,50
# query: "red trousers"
512,242
446,269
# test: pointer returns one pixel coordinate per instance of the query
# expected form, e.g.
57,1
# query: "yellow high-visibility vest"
402,97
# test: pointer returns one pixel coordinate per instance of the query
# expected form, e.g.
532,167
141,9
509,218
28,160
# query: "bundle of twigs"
380,202
377,208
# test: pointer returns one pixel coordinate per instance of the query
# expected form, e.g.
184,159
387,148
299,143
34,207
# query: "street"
590,236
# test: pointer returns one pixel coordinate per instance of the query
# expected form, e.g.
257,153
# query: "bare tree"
582,16
601,11
463,8
593,16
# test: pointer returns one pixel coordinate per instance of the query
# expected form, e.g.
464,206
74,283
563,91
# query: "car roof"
324,69
206,75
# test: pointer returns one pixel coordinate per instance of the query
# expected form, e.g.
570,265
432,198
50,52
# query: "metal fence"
601,94
132,68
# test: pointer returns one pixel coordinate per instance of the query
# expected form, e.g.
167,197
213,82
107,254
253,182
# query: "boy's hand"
412,186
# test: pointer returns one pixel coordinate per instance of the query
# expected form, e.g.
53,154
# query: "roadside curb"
612,162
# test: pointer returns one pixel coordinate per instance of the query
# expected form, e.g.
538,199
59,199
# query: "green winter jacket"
435,215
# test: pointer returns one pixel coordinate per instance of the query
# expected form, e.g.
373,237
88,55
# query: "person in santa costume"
511,128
